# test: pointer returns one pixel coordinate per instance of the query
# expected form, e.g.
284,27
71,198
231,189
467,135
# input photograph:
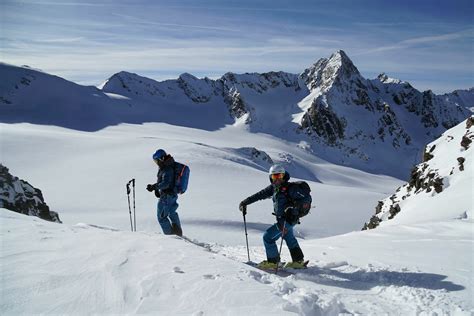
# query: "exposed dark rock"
466,142
373,222
21,197
461,163
428,154
470,122
394,210
438,185
378,208
235,104
321,119
428,118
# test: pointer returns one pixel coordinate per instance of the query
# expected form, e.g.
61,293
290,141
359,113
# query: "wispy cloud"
60,40
80,40
469,33
147,22
62,3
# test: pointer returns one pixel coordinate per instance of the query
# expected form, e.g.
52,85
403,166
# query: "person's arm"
260,195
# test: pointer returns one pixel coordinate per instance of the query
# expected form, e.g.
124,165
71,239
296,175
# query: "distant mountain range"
379,125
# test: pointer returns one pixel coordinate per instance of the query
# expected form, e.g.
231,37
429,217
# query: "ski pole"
246,237
134,216
129,209
281,245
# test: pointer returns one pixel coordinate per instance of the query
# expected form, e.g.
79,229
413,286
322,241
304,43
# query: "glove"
291,215
243,207
157,193
150,187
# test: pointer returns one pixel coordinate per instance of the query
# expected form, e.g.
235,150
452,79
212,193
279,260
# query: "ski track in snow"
304,295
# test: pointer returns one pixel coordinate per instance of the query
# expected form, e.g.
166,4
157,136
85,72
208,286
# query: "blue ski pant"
272,234
166,212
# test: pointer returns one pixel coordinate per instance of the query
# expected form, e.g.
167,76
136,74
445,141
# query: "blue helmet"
159,154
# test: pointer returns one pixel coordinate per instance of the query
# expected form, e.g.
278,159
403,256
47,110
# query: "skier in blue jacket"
164,188
282,195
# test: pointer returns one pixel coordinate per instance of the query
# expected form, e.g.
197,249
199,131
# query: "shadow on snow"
365,280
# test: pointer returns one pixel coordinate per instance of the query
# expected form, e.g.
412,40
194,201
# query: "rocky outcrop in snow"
19,196
446,162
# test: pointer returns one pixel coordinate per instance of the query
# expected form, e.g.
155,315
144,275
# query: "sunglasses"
158,160
277,176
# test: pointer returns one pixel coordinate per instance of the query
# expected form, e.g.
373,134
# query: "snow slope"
439,188
83,269
102,267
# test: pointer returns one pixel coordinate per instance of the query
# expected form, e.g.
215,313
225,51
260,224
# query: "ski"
283,271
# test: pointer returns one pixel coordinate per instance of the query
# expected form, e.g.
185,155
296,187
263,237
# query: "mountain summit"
328,71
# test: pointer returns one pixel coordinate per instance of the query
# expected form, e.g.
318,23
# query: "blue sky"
427,43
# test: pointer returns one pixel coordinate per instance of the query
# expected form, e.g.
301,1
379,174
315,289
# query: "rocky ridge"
444,163
19,196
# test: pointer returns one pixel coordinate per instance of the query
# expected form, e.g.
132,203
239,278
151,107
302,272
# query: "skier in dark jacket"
165,190
282,194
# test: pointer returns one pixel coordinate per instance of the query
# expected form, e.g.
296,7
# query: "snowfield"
93,264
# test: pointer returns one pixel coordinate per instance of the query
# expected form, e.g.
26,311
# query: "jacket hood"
168,161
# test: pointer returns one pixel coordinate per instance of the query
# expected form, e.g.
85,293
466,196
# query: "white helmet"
276,169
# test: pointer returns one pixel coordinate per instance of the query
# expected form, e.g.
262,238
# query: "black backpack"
301,198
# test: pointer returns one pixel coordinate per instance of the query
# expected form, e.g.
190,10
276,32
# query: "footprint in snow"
210,276
177,270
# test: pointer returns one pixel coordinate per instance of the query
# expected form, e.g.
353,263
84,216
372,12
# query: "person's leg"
173,214
269,240
162,215
174,217
292,243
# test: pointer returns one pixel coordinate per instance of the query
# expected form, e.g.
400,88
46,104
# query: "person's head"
277,174
159,156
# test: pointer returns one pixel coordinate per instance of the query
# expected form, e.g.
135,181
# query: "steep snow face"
19,196
439,188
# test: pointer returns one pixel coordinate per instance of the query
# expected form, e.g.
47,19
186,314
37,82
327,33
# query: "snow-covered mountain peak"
187,76
343,64
127,83
329,71
260,82
386,79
